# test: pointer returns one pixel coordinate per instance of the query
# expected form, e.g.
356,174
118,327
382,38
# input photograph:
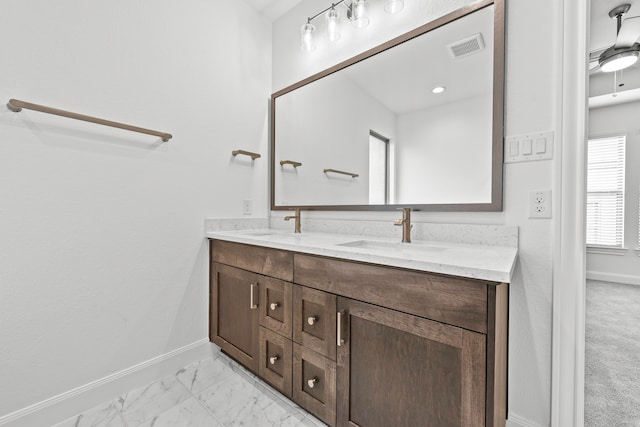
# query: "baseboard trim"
71,402
518,421
613,277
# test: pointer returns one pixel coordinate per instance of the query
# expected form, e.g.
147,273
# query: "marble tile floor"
213,392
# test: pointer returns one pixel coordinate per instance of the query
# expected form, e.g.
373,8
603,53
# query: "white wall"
431,140
103,263
531,99
335,117
622,266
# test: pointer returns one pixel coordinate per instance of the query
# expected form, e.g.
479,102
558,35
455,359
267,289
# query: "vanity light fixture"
333,23
308,42
438,89
356,11
393,6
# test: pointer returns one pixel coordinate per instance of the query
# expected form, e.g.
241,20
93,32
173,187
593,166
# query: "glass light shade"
333,24
619,61
359,15
307,39
393,6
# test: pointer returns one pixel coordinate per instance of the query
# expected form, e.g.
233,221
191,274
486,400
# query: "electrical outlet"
247,207
540,204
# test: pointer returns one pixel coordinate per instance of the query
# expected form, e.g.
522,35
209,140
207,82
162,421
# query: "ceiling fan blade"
594,66
629,32
594,55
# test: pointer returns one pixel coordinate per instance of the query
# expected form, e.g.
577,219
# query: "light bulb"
359,16
393,6
333,24
308,42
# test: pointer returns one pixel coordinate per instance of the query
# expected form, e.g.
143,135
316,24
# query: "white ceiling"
273,9
602,35
402,78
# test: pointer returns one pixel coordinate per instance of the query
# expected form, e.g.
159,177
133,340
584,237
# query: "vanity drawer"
270,262
452,300
275,312
275,360
314,383
314,320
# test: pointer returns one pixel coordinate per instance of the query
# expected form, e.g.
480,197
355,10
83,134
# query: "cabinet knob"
273,359
312,319
274,305
312,382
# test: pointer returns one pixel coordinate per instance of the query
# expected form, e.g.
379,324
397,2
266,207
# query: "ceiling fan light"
619,61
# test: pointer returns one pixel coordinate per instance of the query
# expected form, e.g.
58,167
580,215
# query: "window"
605,191
378,168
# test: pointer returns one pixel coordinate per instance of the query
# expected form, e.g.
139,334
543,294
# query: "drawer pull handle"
274,305
339,339
312,319
252,297
273,359
312,382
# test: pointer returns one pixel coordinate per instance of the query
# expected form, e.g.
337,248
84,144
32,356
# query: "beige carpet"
612,359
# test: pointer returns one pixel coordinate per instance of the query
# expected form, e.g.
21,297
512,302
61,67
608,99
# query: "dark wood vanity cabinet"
276,356
234,317
363,345
248,288
314,320
413,371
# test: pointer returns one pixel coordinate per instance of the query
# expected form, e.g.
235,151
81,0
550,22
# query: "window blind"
605,191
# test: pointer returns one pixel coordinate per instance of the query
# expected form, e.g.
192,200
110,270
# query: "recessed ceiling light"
438,89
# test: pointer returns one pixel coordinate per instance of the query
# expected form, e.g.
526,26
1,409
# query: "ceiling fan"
626,49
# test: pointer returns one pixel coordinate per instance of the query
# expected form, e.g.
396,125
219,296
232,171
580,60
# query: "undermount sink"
383,246
274,236
259,233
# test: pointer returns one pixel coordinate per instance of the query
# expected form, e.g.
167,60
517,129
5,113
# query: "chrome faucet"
297,218
405,222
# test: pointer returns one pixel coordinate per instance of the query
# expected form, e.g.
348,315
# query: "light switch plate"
528,147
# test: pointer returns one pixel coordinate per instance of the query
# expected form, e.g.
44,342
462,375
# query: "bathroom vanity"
367,332
350,334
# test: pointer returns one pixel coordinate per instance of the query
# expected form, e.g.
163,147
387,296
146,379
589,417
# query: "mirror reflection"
412,125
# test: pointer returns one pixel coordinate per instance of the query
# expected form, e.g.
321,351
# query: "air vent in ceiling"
467,46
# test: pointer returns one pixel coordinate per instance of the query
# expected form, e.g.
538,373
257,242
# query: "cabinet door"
275,360
396,369
314,320
275,311
234,315
314,383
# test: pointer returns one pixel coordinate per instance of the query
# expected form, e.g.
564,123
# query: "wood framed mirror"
372,133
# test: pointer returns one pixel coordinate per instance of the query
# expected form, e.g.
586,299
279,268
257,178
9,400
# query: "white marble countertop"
494,263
